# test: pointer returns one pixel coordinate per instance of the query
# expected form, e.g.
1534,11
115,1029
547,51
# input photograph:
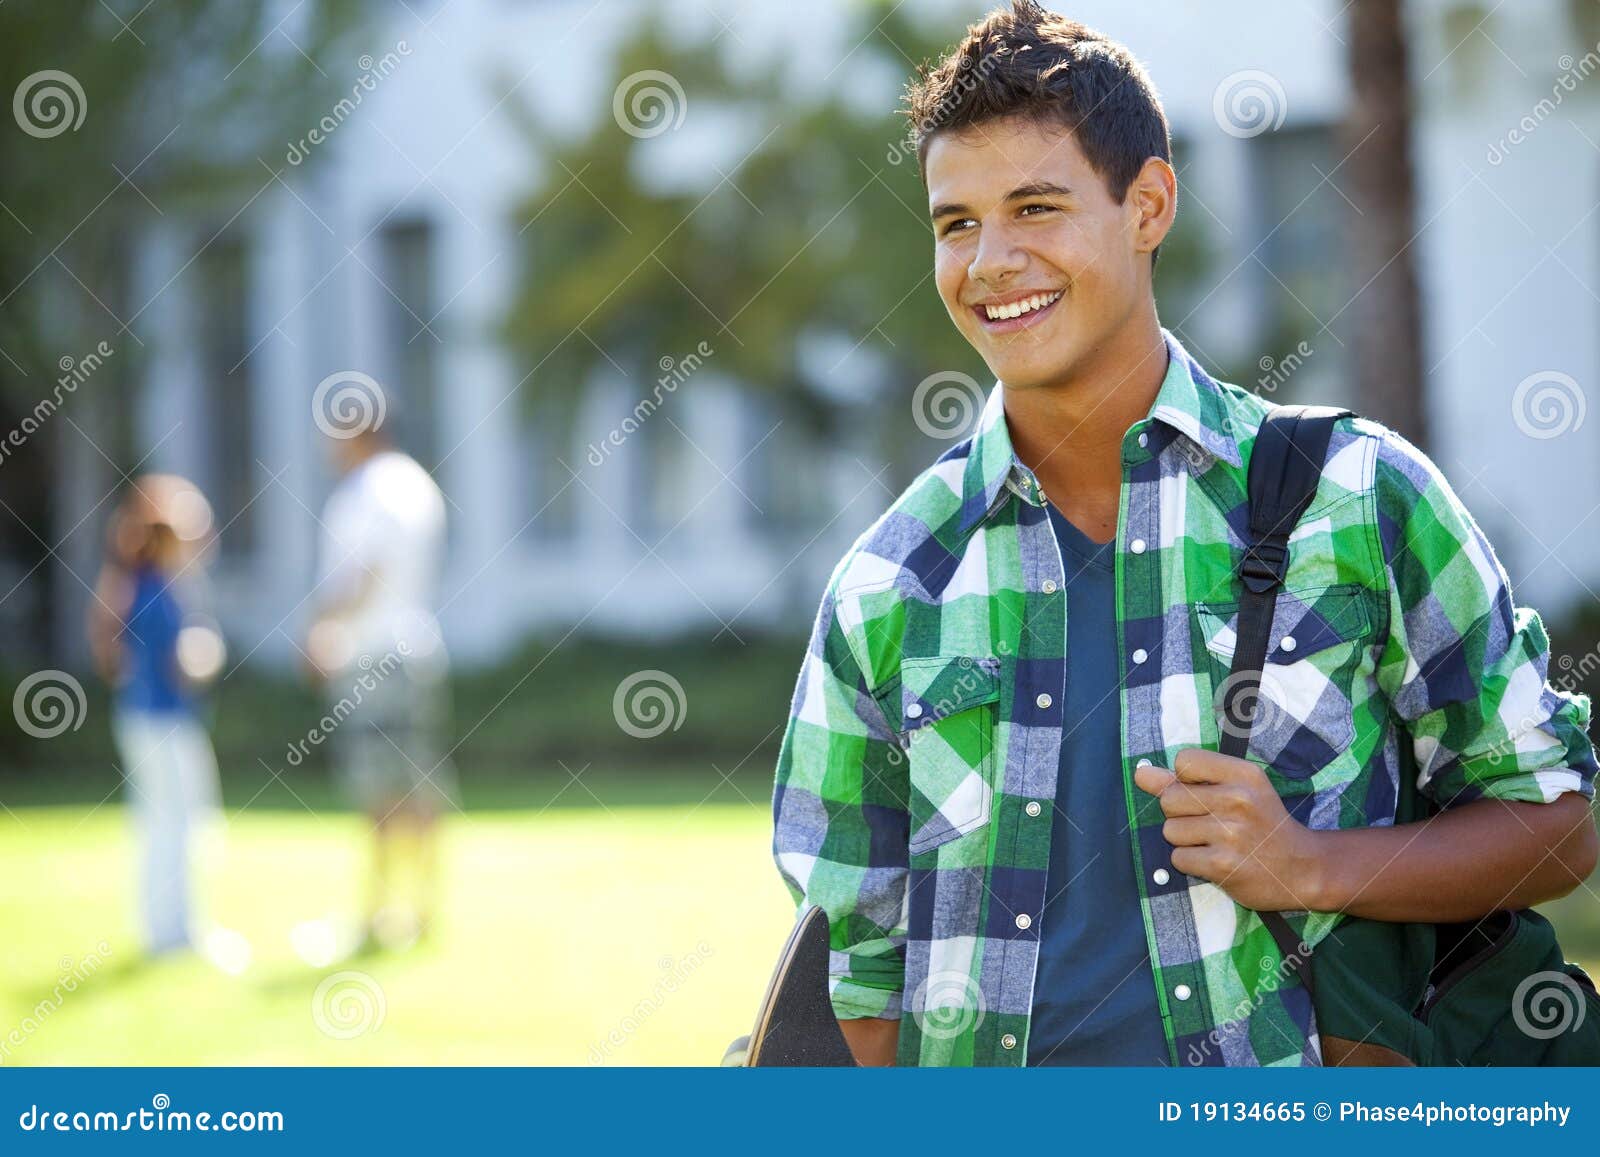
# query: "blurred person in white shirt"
375,647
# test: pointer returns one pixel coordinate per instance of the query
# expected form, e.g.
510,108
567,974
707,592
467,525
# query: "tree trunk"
1386,313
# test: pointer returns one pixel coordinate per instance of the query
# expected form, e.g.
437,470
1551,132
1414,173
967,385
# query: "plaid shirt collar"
1189,403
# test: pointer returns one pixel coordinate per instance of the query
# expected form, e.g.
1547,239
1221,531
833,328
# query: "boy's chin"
1030,373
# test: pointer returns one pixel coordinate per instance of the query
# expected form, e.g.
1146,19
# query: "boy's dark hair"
1028,61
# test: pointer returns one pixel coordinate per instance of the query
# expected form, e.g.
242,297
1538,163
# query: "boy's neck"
1069,433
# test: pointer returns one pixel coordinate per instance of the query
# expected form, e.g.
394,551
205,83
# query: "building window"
1303,216
228,448
411,340
549,461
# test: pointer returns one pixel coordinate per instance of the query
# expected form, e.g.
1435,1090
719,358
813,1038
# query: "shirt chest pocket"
1304,714
948,710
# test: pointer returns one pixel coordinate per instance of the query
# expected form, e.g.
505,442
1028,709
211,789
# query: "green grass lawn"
564,930
622,918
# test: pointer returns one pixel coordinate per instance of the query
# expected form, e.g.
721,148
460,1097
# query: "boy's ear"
1152,202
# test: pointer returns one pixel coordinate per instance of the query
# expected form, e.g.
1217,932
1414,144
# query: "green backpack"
1495,991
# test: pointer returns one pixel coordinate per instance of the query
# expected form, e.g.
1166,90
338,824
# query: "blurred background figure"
154,644
376,649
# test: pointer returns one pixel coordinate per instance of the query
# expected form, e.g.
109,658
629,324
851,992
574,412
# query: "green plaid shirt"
916,782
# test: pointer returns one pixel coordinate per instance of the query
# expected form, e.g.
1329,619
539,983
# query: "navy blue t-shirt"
1094,995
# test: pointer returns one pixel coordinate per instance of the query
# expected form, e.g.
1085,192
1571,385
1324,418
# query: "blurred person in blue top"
155,646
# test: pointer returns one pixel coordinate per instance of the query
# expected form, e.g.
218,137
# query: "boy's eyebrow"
1021,192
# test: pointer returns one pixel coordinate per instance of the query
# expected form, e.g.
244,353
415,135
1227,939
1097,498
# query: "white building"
395,254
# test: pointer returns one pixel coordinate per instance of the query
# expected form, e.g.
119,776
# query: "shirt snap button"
1048,586
1044,699
1033,807
1181,992
1137,546
1024,920
1160,875
913,710
1008,1041
1140,655
1288,643
1144,440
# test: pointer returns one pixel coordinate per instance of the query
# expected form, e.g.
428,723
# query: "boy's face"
1018,211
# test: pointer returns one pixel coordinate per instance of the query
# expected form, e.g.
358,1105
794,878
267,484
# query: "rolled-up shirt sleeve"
1464,667
840,824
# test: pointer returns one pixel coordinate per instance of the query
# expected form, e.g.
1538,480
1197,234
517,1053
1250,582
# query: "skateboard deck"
795,1025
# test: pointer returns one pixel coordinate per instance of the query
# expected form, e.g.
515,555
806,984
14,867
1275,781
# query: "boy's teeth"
1018,308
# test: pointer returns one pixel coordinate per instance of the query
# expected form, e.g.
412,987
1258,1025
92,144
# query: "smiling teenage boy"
999,778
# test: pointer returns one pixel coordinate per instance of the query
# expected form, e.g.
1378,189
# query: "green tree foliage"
120,116
815,227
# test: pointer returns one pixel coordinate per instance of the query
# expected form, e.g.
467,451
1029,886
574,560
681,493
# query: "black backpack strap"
1285,468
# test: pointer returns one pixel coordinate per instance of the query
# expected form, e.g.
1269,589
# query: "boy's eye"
953,226
1026,209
